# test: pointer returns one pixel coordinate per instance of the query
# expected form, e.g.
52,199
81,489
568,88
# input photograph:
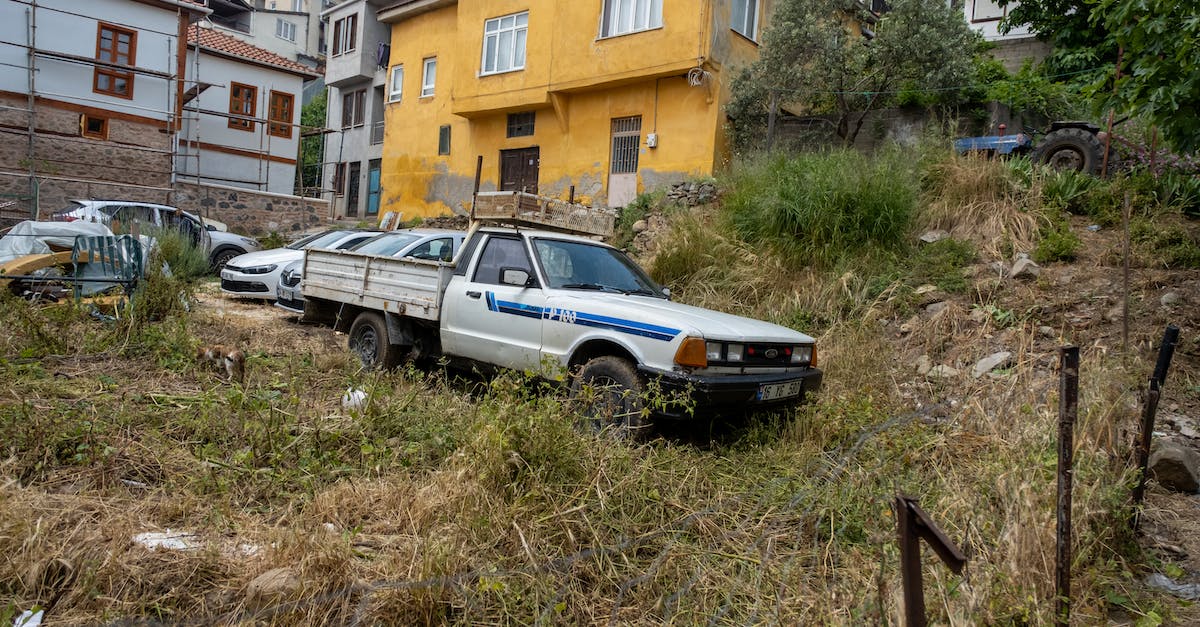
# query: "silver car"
119,215
434,244
256,275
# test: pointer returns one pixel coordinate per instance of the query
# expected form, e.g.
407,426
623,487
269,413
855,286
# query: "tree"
815,57
312,118
1160,40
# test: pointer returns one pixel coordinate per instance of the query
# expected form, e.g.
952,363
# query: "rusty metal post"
478,176
1068,406
1165,353
571,196
912,526
1108,134
910,565
1149,410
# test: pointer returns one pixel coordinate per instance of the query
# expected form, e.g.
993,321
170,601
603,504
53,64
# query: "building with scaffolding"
224,139
106,99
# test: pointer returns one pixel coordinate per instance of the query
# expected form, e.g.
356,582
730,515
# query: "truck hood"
689,320
277,256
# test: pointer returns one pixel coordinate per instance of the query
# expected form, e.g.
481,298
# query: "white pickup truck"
560,304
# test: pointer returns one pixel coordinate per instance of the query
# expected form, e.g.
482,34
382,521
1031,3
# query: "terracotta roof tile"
220,42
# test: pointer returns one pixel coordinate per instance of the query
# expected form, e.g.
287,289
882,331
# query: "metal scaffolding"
182,120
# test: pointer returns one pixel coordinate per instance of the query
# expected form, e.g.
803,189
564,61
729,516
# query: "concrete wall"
262,32
253,213
229,156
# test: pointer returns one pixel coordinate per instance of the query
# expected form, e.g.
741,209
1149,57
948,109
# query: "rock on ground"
1176,467
991,362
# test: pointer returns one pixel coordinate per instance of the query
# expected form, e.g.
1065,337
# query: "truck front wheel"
369,340
1070,149
607,394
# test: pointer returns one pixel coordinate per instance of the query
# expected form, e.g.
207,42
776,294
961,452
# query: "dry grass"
979,200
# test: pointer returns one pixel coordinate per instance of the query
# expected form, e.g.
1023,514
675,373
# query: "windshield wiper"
588,286
641,291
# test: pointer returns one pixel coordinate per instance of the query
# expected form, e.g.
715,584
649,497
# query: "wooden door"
519,169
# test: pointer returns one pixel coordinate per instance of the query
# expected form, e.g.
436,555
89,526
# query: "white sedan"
256,275
436,244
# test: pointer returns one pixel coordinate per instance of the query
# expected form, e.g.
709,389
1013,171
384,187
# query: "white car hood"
277,256
709,324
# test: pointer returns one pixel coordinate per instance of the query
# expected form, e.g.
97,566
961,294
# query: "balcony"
377,132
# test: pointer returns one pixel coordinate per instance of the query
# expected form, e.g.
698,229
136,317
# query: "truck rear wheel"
607,395
369,340
1071,149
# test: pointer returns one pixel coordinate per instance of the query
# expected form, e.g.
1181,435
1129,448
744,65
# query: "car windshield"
581,266
386,245
320,240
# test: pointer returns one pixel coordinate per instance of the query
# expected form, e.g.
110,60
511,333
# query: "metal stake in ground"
912,526
1149,410
1068,404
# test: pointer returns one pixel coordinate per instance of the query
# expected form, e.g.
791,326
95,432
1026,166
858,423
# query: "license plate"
776,391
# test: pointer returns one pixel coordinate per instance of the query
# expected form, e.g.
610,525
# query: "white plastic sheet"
32,238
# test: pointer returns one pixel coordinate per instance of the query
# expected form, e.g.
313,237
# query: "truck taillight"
692,353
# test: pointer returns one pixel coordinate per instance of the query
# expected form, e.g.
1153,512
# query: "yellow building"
613,97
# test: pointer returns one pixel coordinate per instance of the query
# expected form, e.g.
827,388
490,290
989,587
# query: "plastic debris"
354,398
170,540
1188,591
30,618
1093,227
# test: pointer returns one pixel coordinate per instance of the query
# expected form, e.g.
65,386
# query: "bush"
823,208
186,260
941,263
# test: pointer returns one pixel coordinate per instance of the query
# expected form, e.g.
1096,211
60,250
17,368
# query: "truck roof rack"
525,209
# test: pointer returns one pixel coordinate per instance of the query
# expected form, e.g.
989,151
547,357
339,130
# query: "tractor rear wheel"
1071,149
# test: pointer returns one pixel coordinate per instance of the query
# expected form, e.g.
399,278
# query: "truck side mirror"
515,276
667,292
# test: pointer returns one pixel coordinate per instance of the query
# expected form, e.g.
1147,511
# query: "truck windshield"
580,266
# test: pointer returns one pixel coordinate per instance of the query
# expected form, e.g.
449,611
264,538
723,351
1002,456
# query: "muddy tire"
607,395
369,342
1071,149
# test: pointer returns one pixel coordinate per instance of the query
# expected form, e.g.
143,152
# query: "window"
521,124
498,253
444,139
504,43
441,249
745,18
285,30
626,137
298,6
242,102
428,77
96,128
119,46
345,35
628,16
396,84
280,115
339,179
354,106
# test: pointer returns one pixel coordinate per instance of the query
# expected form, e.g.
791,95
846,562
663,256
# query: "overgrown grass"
439,501
824,208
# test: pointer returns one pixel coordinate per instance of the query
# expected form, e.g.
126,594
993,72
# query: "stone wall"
134,162
1013,53
252,212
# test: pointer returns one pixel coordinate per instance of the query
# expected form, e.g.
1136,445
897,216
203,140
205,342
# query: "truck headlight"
712,350
733,352
804,355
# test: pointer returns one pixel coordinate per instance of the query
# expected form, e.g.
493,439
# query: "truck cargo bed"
409,287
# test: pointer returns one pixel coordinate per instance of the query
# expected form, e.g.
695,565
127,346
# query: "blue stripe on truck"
632,327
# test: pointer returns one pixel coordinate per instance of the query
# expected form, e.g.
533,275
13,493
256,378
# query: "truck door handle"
474,294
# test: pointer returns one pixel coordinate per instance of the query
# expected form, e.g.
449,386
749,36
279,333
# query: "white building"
241,123
89,98
356,78
1012,48
290,28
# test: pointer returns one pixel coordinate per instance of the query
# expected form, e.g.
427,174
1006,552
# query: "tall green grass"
825,207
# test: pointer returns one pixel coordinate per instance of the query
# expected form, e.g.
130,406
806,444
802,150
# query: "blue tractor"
1065,146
